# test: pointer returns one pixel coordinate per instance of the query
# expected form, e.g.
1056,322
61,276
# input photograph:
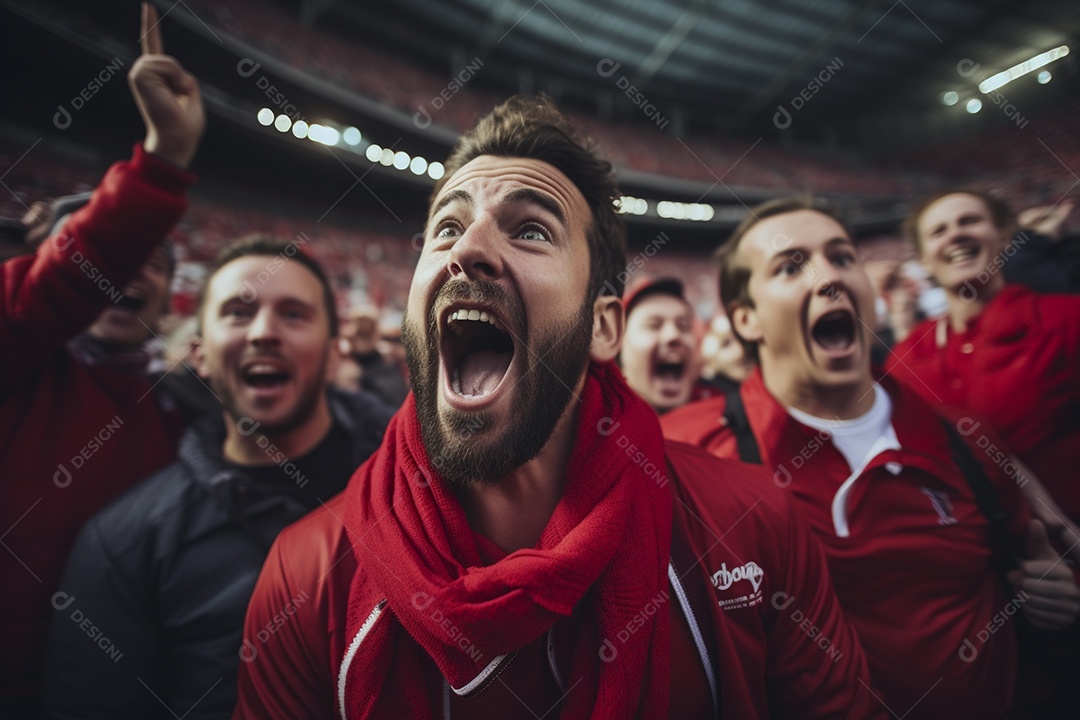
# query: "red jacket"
73,433
781,645
913,572
1018,366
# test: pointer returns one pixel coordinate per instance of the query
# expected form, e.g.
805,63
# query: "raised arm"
50,296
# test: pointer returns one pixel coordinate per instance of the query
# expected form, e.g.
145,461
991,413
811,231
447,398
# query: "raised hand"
168,97
1053,597
1046,220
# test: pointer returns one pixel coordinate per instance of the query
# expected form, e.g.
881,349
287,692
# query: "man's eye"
237,311
788,268
845,260
533,232
447,230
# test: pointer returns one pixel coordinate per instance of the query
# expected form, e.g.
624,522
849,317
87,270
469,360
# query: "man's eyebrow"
450,197
840,240
536,197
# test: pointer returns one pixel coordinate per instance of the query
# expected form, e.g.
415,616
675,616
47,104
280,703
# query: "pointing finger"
150,38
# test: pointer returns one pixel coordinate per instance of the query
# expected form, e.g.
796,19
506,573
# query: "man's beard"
302,412
467,447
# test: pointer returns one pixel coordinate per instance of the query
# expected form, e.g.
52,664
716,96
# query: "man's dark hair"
532,127
735,274
1000,213
262,245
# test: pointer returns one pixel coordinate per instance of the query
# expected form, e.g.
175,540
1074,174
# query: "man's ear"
199,357
333,359
746,323
609,323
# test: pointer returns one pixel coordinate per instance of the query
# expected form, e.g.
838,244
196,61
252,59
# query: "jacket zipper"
354,646
695,630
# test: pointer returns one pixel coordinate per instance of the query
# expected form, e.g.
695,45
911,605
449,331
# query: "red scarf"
609,537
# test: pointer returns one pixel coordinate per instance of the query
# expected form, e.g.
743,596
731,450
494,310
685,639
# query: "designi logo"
724,578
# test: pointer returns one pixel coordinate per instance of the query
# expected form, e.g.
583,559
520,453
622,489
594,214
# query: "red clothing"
1018,366
73,433
913,573
602,557
776,660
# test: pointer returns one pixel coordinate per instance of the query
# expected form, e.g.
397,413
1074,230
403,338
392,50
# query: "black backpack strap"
736,419
1001,544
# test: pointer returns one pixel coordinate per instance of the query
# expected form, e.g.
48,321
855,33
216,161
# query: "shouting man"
914,516
523,541
166,571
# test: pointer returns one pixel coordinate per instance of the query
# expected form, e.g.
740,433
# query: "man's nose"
263,329
477,254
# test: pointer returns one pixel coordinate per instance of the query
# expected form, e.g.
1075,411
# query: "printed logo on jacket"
739,586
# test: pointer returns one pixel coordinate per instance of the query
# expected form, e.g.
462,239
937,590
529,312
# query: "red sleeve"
818,668
285,673
49,297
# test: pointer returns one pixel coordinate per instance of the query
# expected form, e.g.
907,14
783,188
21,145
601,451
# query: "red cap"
649,286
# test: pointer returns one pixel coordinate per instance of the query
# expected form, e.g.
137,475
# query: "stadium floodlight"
373,153
387,157
401,160
974,105
418,166
435,170
1044,77
266,117
351,136
698,212
283,123
1004,77
630,205
323,134
950,98
300,129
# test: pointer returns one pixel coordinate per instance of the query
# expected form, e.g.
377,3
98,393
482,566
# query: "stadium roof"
730,64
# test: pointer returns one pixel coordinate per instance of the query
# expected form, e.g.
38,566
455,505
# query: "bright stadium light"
950,98
323,134
1044,77
300,129
974,105
283,123
387,157
401,160
435,170
698,212
630,205
418,166
351,136
373,153
266,117
1004,77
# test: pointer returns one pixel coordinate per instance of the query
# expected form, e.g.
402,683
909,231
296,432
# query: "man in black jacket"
151,605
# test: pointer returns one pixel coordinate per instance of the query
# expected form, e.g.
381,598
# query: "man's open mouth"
834,331
476,350
669,370
264,375
961,253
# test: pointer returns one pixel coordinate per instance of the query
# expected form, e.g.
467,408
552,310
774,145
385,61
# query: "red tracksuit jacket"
1018,366
72,435
783,646
908,551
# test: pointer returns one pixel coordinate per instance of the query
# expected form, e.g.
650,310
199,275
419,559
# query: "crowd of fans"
208,511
